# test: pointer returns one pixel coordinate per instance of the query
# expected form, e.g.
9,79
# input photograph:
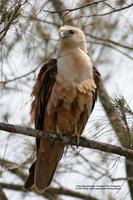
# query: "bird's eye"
71,31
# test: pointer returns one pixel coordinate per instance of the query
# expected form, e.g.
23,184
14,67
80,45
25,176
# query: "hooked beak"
62,34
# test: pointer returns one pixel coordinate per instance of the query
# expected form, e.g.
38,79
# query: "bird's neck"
67,48
83,46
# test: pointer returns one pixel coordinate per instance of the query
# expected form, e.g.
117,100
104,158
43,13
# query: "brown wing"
41,92
91,102
97,79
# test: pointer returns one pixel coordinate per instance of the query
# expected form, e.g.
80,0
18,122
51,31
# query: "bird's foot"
77,135
58,131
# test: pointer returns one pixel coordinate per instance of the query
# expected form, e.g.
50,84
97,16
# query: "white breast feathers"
74,67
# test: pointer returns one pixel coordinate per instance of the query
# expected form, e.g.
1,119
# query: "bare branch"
50,191
106,13
123,179
109,41
114,48
114,117
13,168
19,77
12,18
68,10
67,139
2,195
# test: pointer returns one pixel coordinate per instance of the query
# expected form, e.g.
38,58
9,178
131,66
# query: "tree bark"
67,139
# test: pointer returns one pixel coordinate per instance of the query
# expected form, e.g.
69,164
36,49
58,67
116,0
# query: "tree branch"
109,41
19,77
68,10
124,137
114,117
50,191
123,179
15,13
67,139
13,168
112,47
2,195
106,13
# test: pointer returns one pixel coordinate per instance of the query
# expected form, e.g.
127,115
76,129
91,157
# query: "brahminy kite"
64,97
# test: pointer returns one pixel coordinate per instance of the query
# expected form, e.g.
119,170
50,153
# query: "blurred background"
28,38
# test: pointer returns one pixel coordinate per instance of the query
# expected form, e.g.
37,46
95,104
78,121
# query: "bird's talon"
59,132
78,135
78,140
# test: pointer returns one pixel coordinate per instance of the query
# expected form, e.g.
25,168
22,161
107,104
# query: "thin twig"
112,47
19,77
68,10
104,14
109,41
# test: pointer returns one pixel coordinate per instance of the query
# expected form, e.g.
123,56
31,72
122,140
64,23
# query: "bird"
64,94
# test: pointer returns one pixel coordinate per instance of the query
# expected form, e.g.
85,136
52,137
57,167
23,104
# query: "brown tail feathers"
42,171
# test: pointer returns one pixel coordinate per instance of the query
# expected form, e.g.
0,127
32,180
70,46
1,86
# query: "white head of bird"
71,38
